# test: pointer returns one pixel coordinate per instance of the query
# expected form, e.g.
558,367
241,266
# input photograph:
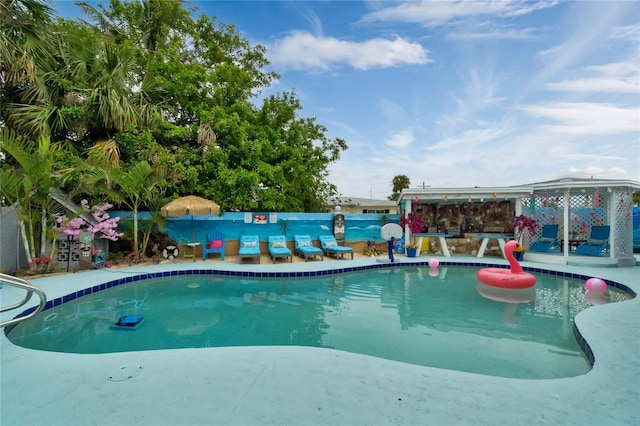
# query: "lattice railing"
588,207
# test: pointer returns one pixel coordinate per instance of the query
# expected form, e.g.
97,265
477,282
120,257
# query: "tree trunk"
25,242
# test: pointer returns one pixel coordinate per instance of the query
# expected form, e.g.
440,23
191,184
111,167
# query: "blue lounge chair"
330,247
305,247
249,247
597,243
215,244
547,240
278,248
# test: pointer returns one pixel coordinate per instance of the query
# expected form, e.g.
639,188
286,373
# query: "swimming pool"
399,313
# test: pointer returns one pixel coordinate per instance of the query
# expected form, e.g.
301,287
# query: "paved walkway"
313,386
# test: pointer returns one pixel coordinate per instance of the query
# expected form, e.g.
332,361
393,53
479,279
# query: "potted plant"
524,228
412,249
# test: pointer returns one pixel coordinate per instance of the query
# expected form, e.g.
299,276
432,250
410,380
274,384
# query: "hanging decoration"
596,197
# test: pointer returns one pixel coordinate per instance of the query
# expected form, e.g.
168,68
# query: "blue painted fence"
358,227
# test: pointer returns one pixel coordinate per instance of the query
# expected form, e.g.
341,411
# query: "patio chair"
330,247
215,244
305,247
249,247
597,243
278,248
547,240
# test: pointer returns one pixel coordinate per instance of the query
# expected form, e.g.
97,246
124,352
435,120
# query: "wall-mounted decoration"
338,228
260,218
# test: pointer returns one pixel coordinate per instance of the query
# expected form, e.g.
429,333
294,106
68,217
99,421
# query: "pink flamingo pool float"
514,277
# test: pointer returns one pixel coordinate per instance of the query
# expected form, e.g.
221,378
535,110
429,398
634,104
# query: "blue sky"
457,93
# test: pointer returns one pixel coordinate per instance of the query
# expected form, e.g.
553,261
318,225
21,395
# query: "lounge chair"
305,247
278,248
215,244
597,243
547,240
330,247
249,247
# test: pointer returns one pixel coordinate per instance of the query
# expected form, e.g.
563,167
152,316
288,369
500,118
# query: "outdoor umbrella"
190,205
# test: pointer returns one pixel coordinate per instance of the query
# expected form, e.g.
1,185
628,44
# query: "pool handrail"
30,288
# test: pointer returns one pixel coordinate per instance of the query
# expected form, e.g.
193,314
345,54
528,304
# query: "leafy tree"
399,182
223,146
147,82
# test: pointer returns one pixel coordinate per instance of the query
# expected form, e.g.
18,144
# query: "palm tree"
93,91
24,48
136,187
400,182
23,39
27,175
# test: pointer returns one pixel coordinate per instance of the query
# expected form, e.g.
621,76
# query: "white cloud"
622,77
432,14
601,85
393,112
497,34
597,172
587,118
479,89
302,50
401,139
627,32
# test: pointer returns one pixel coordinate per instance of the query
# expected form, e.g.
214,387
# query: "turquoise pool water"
407,314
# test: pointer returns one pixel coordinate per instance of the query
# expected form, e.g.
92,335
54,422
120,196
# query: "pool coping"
293,385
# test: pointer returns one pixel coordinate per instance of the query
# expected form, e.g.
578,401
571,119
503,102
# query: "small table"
485,240
441,237
574,243
193,250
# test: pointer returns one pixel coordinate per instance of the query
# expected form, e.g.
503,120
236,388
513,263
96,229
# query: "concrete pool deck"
313,386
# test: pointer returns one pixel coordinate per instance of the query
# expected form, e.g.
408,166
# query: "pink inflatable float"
514,277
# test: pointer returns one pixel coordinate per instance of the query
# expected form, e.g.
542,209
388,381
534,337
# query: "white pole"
566,221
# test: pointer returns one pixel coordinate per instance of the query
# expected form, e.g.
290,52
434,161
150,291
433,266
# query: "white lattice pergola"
577,205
